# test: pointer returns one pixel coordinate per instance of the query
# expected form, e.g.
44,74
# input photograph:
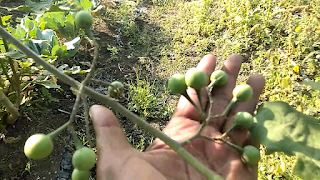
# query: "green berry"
116,89
250,155
83,19
38,146
242,92
84,159
80,175
196,78
220,76
177,84
244,120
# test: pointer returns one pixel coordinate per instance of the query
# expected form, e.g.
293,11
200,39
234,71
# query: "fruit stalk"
226,111
229,130
201,112
56,132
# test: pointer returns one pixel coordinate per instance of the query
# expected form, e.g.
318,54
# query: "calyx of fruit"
219,78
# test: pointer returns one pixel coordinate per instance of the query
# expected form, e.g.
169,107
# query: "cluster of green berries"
40,146
198,79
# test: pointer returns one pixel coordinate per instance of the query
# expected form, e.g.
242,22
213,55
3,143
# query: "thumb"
110,138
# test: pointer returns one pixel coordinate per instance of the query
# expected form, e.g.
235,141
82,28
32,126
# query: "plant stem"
56,132
238,148
117,106
200,100
10,107
229,130
200,111
226,111
16,79
77,142
212,84
86,116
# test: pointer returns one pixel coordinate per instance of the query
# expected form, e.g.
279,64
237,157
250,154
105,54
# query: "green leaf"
73,44
5,18
56,51
279,127
313,85
20,33
14,54
306,167
48,84
86,4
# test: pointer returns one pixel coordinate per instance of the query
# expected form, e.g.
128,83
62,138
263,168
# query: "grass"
278,39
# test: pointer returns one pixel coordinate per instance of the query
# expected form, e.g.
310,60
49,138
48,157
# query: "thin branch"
86,115
66,112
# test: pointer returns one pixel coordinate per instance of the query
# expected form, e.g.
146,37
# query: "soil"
43,117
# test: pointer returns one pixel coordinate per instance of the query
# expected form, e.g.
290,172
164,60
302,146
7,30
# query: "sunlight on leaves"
279,127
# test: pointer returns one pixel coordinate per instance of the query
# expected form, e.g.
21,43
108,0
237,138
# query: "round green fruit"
196,78
80,175
220,76
116,89
84,159
242,92
250,155
177,84
244,120
83,19
38,146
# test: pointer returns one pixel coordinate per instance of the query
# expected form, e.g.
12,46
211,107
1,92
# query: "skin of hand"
118,160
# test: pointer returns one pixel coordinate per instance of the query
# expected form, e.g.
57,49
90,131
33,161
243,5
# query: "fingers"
222,95
110,138
184,108
239,136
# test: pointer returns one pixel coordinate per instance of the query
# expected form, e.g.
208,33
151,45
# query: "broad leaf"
48,84
279,127
306,167
313,85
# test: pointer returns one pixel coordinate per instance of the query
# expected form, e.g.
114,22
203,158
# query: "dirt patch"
13,163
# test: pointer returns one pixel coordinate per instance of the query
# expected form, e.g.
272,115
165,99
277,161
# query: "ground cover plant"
285,53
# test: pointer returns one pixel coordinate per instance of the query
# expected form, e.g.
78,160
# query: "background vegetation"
279,39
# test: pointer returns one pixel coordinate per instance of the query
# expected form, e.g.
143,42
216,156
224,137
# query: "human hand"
117,159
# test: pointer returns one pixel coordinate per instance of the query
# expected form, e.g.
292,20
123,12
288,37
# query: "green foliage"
279,127
275,37
42,33
147,100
